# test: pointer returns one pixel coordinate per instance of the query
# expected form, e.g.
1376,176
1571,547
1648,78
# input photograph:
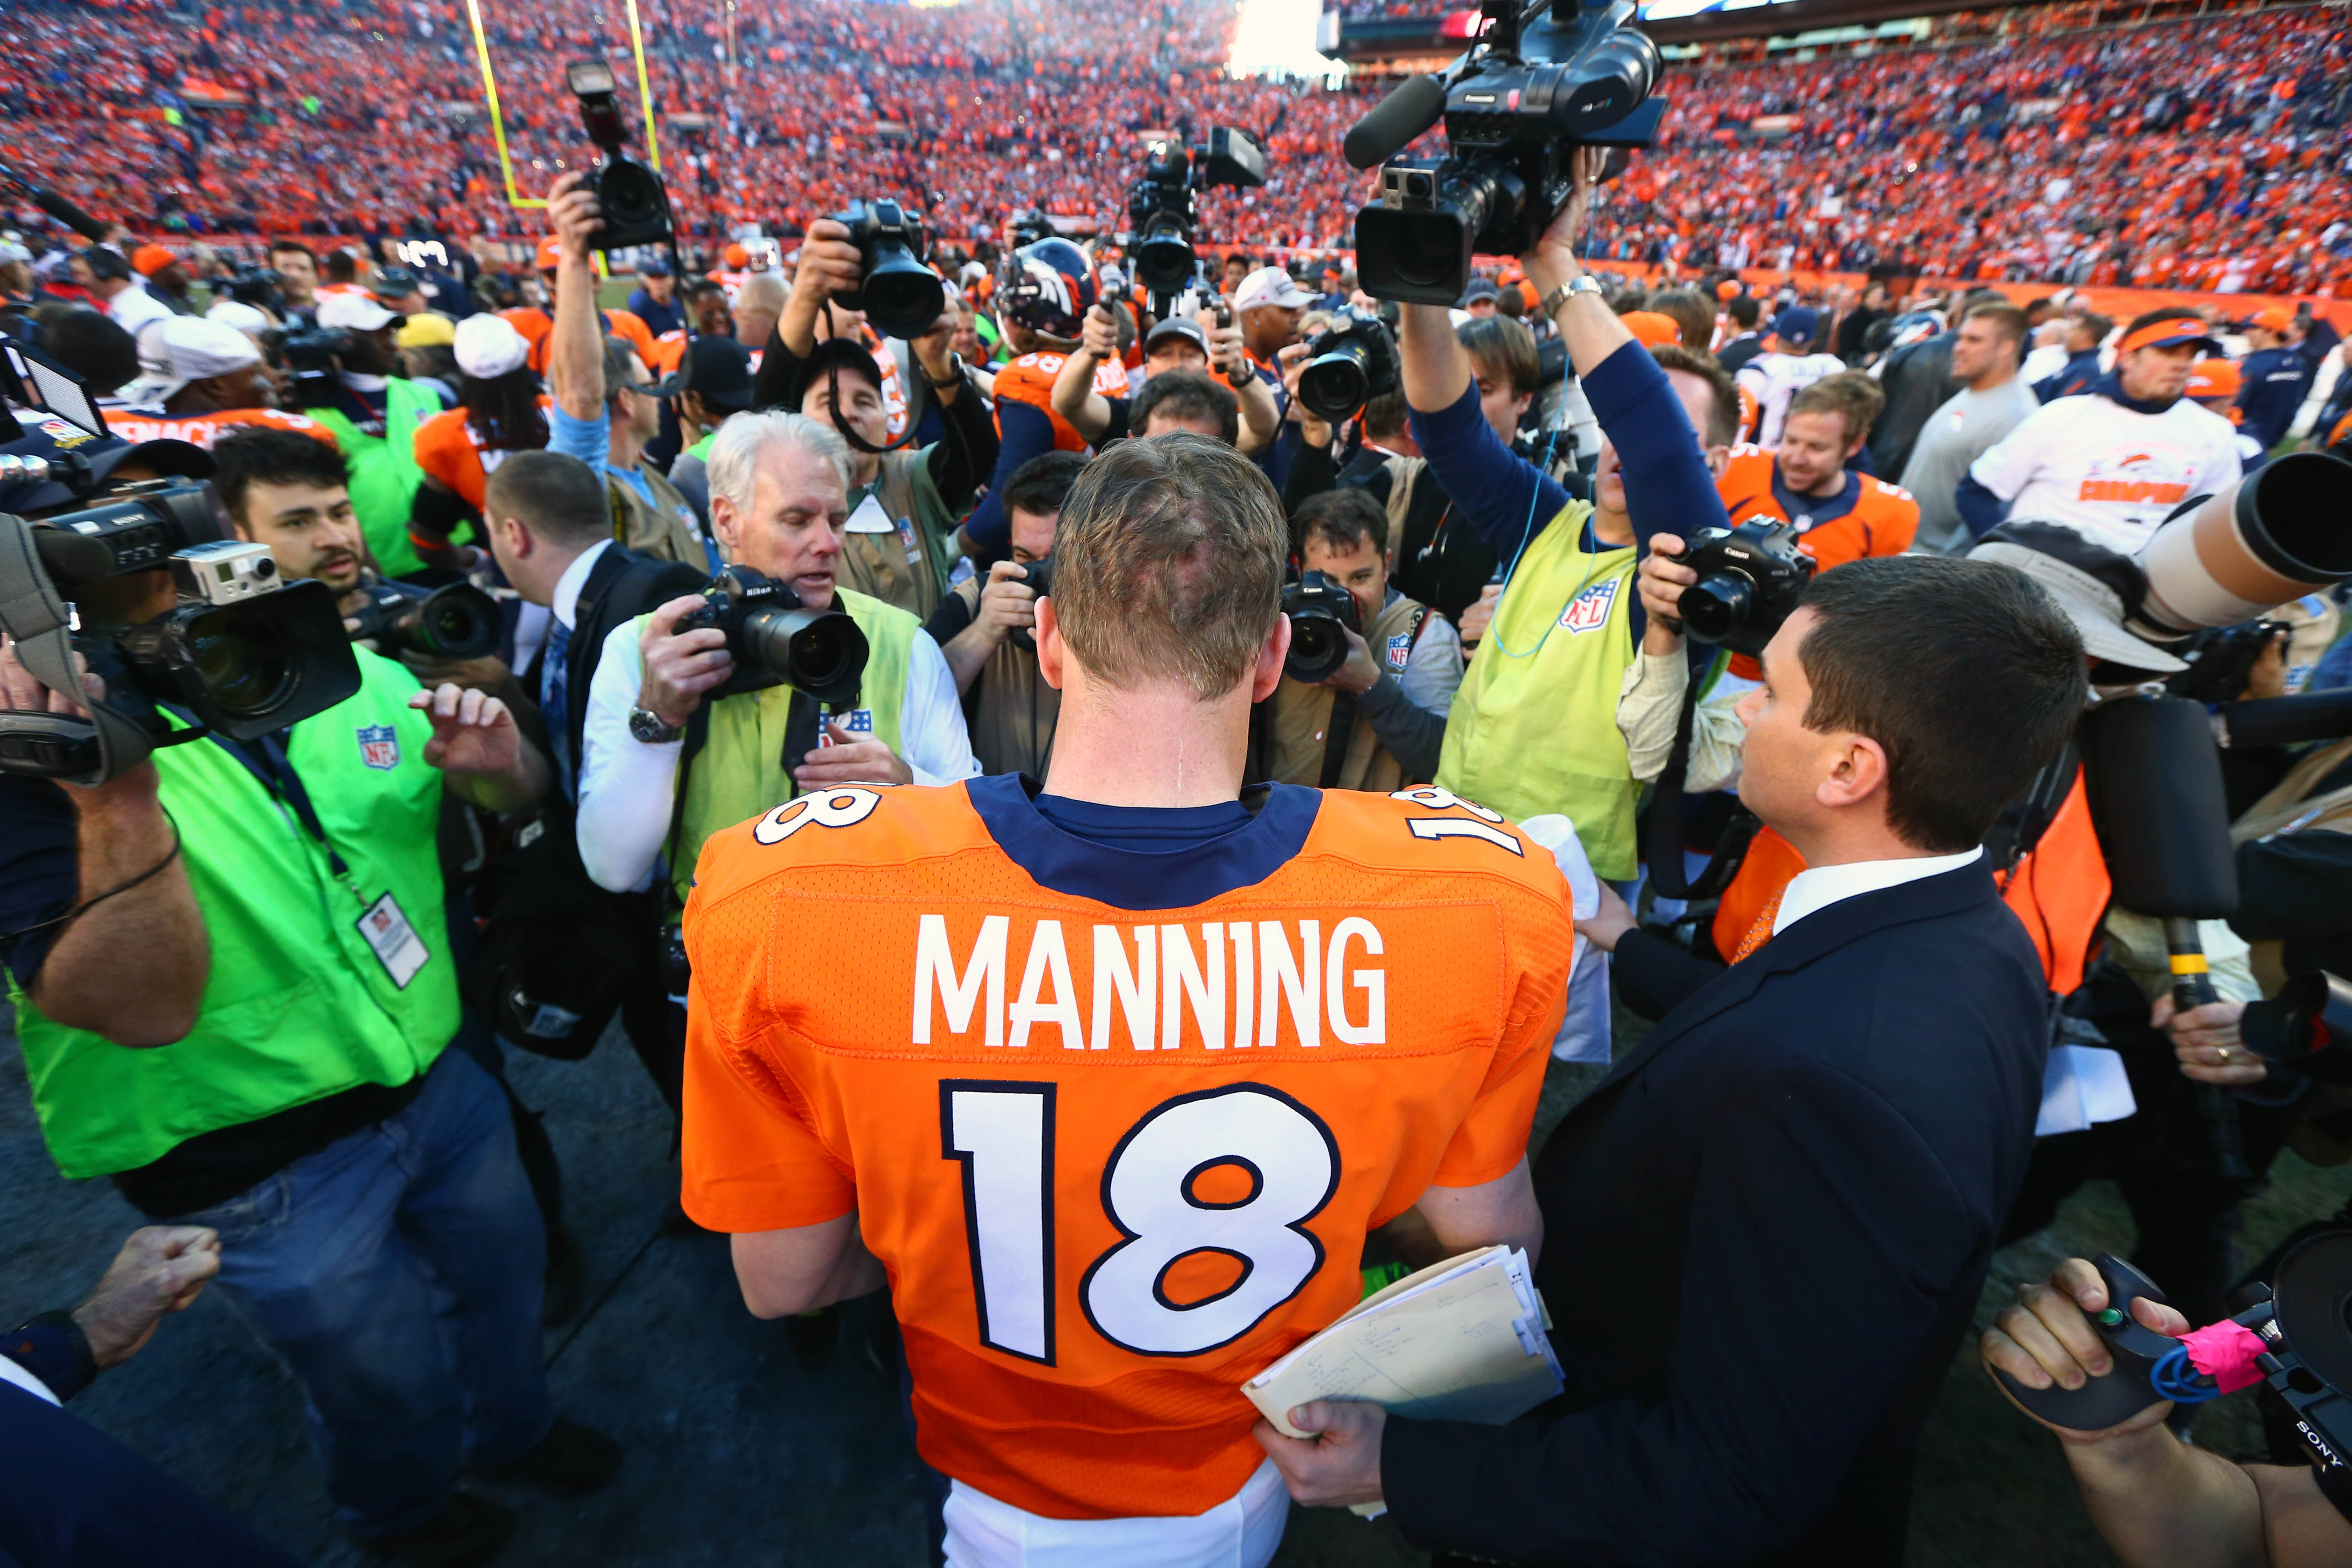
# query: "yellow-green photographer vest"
741,769
296,1005
1534,728
385,472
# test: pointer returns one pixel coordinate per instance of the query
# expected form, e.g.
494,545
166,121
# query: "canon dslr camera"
1348,364
1038,577
1749,581
1322,612
901,296
775,640
632,197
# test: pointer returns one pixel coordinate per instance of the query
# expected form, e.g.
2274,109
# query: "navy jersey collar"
1139,879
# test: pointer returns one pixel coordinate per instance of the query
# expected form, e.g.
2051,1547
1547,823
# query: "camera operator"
281,902
2115,461
75,1495
779,502
374,412
832,264
1186,343
1531,732
605,406
203,378
903,504
985,628
1401,673
2160,1502
296,266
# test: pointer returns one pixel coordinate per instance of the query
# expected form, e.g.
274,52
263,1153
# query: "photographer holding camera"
1179,343
280,1074
1377,720
1531,731
666,763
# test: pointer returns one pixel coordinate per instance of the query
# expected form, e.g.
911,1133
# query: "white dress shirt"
1811,891
627,787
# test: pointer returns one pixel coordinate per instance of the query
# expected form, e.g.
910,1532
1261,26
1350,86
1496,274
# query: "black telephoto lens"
904,299
1317,648
242,662
1336,385
458,621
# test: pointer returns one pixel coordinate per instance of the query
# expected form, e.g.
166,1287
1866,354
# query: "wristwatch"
650,727
955,373
1582,283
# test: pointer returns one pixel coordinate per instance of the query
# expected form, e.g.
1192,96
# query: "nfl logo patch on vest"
379,746
858,721
1400,650
1588,611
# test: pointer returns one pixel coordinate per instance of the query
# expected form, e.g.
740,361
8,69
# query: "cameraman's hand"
1479,614
1227,357
21,691
1553,260
2205,1042
1007,604
473,734
160,1269
850,760
1313,428
829,262
2268,676
679,667
1661,583
1360,674
2047,1338
1099,336
573,216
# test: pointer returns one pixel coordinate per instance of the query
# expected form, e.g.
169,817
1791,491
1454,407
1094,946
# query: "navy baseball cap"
653,267
1797,324
718,371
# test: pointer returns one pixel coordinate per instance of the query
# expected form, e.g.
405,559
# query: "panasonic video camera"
1548,77
241,653
1322,612
1159,207
634,201
899,292
775,640
1749,581
1348,364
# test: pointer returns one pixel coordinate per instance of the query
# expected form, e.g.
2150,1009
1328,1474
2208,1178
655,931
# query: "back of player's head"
558,499
1340,519
1168,564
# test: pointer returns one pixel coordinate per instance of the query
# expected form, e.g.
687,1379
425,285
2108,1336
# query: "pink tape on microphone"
2225,1352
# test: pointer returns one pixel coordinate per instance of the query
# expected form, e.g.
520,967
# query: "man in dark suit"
1766,1231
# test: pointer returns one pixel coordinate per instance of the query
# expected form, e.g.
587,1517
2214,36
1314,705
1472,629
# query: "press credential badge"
393,941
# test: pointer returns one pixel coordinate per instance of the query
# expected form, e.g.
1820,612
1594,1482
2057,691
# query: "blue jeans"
397,1274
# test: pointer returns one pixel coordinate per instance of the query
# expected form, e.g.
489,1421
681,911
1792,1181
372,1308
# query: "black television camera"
313,357
1749,580
632,197
242,652
1515,108
1348,364
1037,575
1159,207
456,620
901,295
774,640
1322,612
252,284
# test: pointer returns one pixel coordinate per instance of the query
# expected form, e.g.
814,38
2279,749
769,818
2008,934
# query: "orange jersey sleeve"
1115,1160
445,451
630,325
534,324
204,429
1029,379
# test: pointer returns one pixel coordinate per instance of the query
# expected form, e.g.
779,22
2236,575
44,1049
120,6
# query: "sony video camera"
1159,207
1348,364
1515,108
1322,612
243,652
774,640
1749,580
634,201
899,294
455,621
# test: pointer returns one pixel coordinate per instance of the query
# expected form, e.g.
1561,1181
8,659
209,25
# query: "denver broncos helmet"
1048,288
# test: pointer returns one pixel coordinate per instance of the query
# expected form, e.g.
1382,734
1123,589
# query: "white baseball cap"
489,346
352,312
1270,286
237,313
182,349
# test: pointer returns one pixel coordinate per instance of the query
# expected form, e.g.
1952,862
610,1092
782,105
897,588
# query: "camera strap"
1337,735
1666,837
36,617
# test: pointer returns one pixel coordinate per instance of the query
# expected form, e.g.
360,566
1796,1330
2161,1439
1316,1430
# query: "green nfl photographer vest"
1534,728
296,1005
741,770
385,474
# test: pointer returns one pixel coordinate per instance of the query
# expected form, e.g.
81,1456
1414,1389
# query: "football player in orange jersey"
1129,1063
203,379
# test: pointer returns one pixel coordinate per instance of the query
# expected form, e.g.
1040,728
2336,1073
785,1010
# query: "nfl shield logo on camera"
1400,650
1588,611
379,746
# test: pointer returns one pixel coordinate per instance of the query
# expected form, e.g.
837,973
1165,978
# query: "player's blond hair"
1168,564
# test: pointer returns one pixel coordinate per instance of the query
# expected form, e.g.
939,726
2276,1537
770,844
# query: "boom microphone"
1394,121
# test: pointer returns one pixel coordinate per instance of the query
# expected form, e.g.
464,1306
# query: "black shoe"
566,1281
468,1531
814,1337
572,1460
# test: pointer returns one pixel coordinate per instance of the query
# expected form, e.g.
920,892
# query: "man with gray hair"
779,501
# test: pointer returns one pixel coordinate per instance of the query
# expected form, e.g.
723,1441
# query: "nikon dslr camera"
1348,364
775,640
1322,612
1749,581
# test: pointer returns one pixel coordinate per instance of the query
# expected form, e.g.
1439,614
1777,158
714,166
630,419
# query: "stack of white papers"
1460,1340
